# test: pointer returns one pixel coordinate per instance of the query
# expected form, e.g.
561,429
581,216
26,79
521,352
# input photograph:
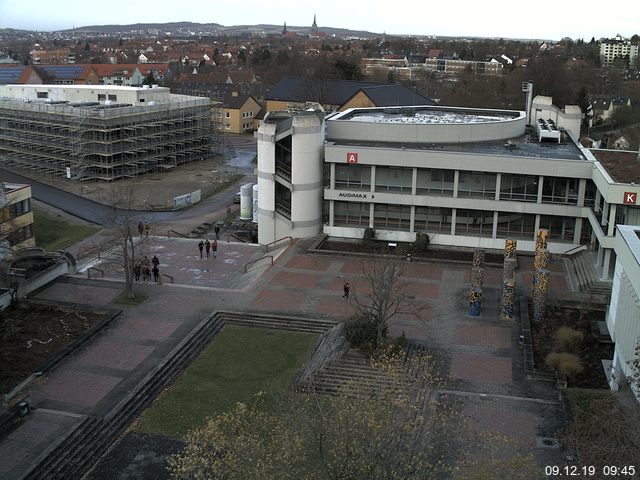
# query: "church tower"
314,27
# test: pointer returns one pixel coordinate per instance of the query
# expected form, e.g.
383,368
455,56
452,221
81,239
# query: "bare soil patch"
31,334
591,351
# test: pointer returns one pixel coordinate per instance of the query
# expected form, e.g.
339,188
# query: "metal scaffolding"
104,142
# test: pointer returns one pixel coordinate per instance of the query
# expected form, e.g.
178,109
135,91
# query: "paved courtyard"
483,363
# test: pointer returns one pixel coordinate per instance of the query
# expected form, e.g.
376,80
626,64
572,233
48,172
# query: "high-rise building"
618,49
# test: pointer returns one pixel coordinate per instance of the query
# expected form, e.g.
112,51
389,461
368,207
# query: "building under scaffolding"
101,132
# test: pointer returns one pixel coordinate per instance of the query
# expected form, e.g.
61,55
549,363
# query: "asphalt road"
101,214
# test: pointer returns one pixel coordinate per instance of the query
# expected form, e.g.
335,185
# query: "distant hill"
193,28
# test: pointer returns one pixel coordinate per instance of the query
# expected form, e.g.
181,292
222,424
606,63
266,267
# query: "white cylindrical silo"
246,202
255,203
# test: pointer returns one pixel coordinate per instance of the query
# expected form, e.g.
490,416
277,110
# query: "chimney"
235,93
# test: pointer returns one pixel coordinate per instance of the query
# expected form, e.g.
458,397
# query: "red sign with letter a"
630,198
352,157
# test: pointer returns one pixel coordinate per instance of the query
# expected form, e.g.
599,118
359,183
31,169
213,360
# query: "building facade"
466,177
100,132
16,217
618,49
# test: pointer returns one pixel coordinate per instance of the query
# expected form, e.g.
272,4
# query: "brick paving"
479,354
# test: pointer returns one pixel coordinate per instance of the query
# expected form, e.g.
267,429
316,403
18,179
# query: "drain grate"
546,442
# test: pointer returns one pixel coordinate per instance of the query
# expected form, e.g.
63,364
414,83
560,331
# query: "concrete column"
332,177
540,185
605,264
536,225
414,182
599,256
373,179
453,220
605,213
412,221
596,207
371,215
498,181
577,232
582,188
612,219
332,209
494,230
456,180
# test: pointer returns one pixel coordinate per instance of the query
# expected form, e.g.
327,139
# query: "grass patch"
239,363
124,300
52,233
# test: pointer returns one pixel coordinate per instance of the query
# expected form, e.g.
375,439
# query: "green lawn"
52,233
238,363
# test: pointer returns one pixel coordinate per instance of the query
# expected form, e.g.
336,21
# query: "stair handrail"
266,247
256,260
177,233
571,250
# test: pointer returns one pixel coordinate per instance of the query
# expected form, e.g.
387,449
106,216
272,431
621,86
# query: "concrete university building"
101,132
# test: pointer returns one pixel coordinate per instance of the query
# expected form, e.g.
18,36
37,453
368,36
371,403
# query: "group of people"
208,247
144,268
144,229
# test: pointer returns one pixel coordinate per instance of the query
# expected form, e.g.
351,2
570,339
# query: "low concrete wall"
41,279
5,298
331,344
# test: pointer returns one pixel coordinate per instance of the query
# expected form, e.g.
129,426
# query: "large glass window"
560,190
560,228
353,177
435,181
432,219
477,223
523,188
590,194
477,184
391,217
516,225
351,214
394,179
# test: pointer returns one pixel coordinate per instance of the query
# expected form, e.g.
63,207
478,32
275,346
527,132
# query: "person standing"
214,247
137,269
217,231
207,247
347,289
156,273
201,247
147,229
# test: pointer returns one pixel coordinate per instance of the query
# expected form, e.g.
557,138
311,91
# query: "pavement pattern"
483,363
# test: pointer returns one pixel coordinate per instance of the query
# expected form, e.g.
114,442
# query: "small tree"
388,297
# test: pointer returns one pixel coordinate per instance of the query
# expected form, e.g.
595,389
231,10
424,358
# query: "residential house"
49,74
238,113
160,71
603,107
120,74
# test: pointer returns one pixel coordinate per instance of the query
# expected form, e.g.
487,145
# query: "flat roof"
525,146
427,115
623,166
48,86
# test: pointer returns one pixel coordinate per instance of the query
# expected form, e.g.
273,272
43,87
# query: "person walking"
155,261
347,289
156,273
146,273
140,228
201,247
147,229
214,247
137,269
217,231
207,247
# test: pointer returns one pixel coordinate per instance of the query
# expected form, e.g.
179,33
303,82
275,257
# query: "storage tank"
246,202
255,203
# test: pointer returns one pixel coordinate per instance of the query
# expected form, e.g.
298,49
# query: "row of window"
19,235
470,183
15,210
478,223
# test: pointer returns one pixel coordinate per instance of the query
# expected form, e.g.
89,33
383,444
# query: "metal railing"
177,233
573,250
266,247
96,269
257,260
165,275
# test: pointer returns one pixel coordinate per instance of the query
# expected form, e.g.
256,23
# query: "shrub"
369,236
421,244
567,363
362,334
566,339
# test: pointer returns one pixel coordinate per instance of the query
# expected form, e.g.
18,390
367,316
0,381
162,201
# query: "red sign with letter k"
630,198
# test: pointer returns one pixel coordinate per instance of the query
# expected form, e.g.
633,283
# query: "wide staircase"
584,273
92,436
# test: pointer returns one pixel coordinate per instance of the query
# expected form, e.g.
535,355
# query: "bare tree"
388,297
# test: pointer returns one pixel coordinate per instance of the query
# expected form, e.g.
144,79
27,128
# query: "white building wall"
569,118
266,183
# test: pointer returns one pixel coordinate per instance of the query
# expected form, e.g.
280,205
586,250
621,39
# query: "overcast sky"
484,18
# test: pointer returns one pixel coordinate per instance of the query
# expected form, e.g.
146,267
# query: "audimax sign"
360,195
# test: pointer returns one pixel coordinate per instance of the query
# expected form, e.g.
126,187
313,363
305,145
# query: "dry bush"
567,363
566,339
